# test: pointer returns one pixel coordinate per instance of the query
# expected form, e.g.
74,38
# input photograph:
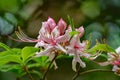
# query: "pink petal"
81,30
62,26
74,41
51,23
63,38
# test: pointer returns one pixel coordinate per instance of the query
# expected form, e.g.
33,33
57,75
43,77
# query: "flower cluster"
55,38
59,38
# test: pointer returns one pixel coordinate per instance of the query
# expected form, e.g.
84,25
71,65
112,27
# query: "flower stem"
49,66
28,73
88,71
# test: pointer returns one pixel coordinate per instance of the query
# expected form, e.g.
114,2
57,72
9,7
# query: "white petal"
46,52
118,50
59,47
55,33
51,56
115,67
104,63
63,38
74,64
77,58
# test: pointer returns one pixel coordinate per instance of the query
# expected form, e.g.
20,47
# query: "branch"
49,66
88,71
28,73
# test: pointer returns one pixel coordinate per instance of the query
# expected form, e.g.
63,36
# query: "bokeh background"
100,18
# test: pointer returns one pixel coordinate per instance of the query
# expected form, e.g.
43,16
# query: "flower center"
76,47
53,42
116,62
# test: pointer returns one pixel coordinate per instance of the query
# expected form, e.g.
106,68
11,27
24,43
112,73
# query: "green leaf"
43,61
16,51
4,59
72,33
71,23
10,67
5,27
100,47
28,52
6,47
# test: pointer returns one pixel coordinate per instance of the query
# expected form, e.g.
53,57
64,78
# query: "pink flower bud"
62,26
81,30
50,24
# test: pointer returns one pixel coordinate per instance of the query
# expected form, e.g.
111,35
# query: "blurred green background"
100,18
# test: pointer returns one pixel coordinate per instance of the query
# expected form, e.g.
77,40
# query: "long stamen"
24,37
14,39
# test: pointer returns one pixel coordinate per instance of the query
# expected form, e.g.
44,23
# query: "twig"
88,71
28,73
49,66
77,74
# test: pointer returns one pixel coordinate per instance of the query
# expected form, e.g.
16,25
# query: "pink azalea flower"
52,37
76,49
114,59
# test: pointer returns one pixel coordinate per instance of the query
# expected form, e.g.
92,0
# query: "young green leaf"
4,59
100,47
43,61
28,52
6,47
10,67
72,33
71,22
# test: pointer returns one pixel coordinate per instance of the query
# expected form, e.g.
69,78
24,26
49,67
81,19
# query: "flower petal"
62,26
77,58
46,52
51,23
51,57
115,67
81,30
74,65
55,32
118,50
59,47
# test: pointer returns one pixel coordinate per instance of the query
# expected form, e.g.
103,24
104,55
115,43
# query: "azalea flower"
76,49
114,59
52,36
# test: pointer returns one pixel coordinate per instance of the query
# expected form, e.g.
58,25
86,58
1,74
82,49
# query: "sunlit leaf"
71,23
100,47
6,47
43,61
4,59
9,67
28,52
72,33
